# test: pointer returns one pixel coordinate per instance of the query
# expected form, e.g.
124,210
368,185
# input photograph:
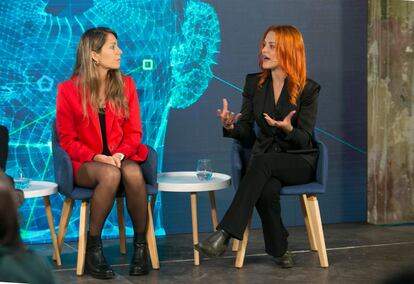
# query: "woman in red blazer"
98,124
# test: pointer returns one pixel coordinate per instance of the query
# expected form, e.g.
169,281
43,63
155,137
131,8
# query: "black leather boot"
140,259
215,245
285,261
95,262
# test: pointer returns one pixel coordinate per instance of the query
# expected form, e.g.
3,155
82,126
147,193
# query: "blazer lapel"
261,106
259,100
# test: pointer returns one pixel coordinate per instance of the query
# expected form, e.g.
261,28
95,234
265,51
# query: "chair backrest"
62,165
322,164
240,156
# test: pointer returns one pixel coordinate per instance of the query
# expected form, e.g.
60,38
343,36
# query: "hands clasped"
114,160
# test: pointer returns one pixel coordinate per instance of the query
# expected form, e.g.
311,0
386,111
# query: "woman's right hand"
227,118
105,159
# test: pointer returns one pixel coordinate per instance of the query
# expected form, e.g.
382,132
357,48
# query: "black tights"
106,179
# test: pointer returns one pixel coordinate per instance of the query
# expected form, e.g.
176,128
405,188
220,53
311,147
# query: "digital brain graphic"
169,48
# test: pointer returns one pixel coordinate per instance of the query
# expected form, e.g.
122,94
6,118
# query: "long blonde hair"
87,74
290,51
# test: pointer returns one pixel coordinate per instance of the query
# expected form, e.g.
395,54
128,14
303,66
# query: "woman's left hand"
285,124
118,157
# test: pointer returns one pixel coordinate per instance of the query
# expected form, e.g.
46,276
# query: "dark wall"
335,39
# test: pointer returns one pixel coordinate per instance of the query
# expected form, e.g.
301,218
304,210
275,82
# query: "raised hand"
285,124
227,118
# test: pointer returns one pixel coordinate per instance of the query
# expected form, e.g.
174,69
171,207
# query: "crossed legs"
260,187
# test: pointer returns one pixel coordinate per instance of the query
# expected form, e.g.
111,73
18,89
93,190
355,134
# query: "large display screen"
168,48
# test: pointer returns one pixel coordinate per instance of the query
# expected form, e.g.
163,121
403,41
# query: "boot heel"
140,259
95,262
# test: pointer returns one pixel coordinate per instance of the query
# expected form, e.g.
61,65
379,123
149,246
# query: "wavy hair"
87,74
290,51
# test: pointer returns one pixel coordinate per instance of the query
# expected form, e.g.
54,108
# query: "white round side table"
188,182
45,189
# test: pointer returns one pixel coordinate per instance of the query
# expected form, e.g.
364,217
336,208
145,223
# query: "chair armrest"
149,168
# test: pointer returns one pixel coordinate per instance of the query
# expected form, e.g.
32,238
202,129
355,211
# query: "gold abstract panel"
390,111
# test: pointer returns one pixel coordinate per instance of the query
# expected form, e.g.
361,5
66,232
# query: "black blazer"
252,129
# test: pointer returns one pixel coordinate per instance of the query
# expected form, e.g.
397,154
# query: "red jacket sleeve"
66,107
132,128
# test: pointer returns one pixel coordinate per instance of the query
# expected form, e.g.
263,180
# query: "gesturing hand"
227,118
285,124
105,159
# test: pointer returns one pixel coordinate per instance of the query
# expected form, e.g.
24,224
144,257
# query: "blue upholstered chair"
64,178
307,195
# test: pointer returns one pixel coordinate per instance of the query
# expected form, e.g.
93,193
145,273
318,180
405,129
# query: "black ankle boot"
140,258
215,245
95,262
285,261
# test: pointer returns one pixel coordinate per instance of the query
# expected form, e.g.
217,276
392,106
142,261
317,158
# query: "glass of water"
204,169
21,181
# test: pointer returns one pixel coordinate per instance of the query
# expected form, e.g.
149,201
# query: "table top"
40,189
188,182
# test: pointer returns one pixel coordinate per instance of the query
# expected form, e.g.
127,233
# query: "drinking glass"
21,181
204,169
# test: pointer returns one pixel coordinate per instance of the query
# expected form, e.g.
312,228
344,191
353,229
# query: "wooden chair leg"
235,246
64,222
315,217
152,202
152,243
121,224
241,252
309,225
83,223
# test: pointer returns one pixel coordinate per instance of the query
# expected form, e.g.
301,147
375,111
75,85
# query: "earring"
95,62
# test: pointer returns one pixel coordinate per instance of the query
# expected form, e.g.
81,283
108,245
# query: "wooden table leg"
213,210
49,215
195,226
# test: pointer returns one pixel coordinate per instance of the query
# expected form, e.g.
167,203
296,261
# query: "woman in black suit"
282,101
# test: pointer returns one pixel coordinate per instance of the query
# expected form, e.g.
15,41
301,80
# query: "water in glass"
21,181
204,169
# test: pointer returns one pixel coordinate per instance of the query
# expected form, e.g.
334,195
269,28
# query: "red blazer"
82,139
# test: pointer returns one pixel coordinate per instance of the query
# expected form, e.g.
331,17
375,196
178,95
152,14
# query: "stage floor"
358,253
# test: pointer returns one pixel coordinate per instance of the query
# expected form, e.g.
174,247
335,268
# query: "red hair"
290,51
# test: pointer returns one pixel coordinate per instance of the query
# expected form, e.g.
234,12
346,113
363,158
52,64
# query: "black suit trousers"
260,188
